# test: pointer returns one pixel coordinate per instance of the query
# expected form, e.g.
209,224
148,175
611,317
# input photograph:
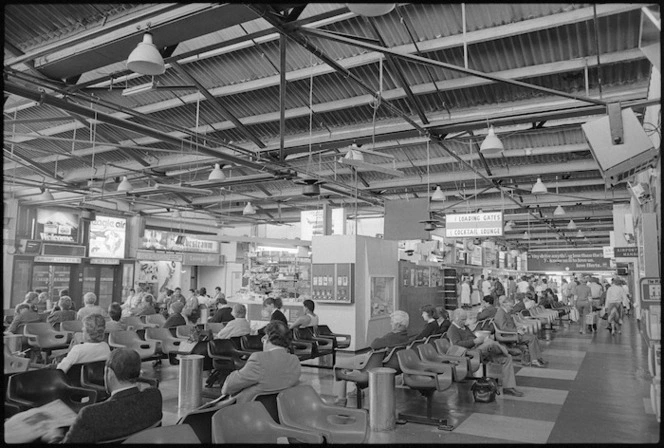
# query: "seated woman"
443,320
175,317
32,299
239,326
63,312
308,318
115,314
145,307
429,315
224,311
93,347
23,314
271,370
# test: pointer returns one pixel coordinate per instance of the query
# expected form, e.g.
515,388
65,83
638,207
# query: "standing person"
308,318
522,286
191,309
431,327
511,287
564,291
204,298
465,293
486,286
498,289
217,293
582,303
571,290
89,307
627,304
615,296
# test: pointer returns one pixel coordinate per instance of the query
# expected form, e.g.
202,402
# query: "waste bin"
190,382
382,404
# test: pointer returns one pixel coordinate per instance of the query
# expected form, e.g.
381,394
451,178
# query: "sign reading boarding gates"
472,225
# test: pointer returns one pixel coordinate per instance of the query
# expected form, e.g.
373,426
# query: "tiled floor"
595,389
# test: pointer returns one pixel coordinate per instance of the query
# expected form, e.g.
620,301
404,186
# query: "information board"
590,259
651,290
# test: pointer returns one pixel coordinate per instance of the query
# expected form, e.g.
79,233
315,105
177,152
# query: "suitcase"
591,318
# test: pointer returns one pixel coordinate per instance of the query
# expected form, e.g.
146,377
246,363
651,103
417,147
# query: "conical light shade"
370,9
539,187
579,234
438,195
491,144
125,185
354,155
45,196
508,226
526,235
249,209
146,59
559,211
571,225
216,173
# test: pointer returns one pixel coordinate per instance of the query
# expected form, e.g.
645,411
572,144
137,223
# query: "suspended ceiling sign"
157,256
203,259
474,225
590,259
626,252
159,240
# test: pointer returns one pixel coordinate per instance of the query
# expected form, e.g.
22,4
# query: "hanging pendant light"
354,154
438,195
125,185
216,173
371,9
509,226
249,209
491,144
571,225
177,214
526,235
559,211
45,195
539,187
579,234
146,59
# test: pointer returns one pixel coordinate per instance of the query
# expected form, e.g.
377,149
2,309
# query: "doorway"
102,280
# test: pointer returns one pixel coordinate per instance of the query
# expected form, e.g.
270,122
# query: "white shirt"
83,353
615,294
90,309
486,287
522,286
237,327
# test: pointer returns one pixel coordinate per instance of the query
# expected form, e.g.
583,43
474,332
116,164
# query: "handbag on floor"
485,390
574,315
591,318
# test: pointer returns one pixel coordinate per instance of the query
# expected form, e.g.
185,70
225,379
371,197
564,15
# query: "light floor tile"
506,428
565,353
647,404
556,374
538,395
586,340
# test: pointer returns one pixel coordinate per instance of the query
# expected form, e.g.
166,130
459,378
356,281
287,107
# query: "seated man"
271,370
399,321
505,322
459,334
128,410
239,326
175,317
115,315
62,312
93,348
23,314
89,299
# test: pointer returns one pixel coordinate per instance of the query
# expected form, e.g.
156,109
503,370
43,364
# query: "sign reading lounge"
474,225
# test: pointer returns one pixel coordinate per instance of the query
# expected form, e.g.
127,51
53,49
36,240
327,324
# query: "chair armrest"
436,367
85,392
301,435
20,402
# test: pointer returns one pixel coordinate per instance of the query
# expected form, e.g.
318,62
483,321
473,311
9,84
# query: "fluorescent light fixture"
491,144
147,87
571,225
216,173
539,187
438,195
180,189
146,59
125,185
559,211
249,209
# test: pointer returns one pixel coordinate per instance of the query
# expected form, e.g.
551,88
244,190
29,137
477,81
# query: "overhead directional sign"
473,225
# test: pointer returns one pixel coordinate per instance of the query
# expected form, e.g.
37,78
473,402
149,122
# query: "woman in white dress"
465,293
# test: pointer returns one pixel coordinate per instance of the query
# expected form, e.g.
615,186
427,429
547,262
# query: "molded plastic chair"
251,423
184,331
426,378
167,342
269,401
361,376
135,322
15,364
42,336
200,420
433,337
251,343
391,360
123,438
71,326
301,407
155,319
459,364
37,387
225,358
165,434
215,327
129,339
91,376
325,346
443,346
414,344
341,340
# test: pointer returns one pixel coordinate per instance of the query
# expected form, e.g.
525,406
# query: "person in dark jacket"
270,305
223,313
444,321
175,317
431,327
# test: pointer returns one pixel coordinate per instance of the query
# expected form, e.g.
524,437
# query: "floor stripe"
506,428
556,374
565,353
538,395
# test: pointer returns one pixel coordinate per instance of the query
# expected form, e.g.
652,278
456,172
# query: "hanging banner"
159,240
474,225
107,237
590,259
